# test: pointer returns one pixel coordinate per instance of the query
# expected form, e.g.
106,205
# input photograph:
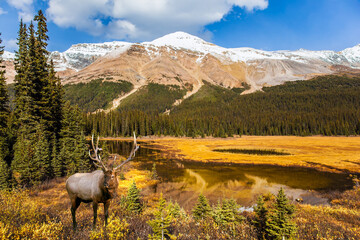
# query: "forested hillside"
327,105
96,94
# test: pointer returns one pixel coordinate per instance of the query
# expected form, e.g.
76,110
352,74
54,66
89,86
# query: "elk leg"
95,208
75,203
106,211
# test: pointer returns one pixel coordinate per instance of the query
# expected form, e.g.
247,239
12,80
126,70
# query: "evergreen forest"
41,135
326,105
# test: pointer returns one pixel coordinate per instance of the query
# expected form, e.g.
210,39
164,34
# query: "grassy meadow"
43,212
331,154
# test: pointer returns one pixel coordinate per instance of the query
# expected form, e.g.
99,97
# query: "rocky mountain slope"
186,61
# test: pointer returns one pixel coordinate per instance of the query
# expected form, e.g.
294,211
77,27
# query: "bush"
116,229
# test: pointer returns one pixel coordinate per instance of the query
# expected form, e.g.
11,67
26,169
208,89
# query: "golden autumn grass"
43,212
332,154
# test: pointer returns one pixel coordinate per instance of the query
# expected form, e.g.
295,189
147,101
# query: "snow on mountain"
81,55
259,64
352,54
8,56
185,41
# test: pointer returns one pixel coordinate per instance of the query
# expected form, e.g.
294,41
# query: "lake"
183,181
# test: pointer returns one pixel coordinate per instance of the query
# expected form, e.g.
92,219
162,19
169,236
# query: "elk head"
110,171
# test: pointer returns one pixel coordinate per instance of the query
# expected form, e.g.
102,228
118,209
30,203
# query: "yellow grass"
333,154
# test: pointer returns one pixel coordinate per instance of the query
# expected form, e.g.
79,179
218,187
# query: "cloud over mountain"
143,19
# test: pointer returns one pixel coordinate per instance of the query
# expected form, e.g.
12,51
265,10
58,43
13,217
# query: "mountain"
186,61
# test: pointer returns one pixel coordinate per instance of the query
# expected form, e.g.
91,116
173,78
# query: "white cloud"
143,19
10,45
2,11
25,7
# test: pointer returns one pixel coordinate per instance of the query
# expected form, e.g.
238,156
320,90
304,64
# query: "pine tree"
4,99
227,212
5,171
21,87
56,165
73,151
56,100
202,208
161,222
279,224
23,154
133,202
81,156
261,217
41,81
41,162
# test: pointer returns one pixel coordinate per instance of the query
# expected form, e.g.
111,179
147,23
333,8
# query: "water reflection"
183,181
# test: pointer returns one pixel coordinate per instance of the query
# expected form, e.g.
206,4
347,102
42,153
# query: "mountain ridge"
185,60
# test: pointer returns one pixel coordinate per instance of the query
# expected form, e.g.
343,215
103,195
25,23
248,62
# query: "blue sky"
261,24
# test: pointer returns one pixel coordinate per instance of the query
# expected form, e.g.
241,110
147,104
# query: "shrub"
116,229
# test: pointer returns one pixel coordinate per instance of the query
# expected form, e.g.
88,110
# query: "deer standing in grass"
97,187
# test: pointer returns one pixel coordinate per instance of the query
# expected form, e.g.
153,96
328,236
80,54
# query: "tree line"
42,136
328,105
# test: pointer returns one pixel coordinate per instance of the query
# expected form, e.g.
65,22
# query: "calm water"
183,181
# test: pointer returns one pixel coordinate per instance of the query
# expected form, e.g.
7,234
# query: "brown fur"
97,187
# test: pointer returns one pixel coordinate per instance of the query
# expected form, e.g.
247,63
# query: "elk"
98,186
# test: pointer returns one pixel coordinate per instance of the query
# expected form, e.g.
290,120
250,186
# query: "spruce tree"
56,166
81,156
4,99
23,155
202,208
133,202
41,162
73,151
41,82
261,217
161,223
280,225
20,67
56,101
5,171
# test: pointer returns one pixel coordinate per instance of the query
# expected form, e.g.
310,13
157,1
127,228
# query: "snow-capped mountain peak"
352,54
182,40
8,56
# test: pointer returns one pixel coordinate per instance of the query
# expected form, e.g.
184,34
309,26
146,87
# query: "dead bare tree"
98,186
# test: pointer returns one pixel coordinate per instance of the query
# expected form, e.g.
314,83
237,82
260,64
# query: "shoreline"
327,154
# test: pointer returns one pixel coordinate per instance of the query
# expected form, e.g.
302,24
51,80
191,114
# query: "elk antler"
132,154
97,157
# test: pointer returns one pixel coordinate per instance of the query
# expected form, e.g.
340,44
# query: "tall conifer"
5,172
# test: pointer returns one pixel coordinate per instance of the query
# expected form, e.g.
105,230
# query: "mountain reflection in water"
184,181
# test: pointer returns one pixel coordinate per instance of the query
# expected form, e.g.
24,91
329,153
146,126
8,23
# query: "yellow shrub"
116,229
4,232
50,230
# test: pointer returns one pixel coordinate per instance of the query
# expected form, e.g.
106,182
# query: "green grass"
153,98
253,151
95,94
